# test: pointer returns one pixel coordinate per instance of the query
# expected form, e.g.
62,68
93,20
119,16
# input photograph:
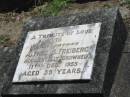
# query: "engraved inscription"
65,53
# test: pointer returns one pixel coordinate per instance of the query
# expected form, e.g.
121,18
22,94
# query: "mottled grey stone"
5,60
5,49
121,87
108,54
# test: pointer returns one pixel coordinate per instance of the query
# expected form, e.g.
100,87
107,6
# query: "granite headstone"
107,54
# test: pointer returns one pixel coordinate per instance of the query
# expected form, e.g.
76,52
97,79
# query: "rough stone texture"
127,43
121,87
6,56
108,54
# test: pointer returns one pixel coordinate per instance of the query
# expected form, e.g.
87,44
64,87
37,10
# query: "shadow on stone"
115,54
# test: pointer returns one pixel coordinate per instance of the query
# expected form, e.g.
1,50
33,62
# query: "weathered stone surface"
121,87
6,57
65,53
109,48
127,43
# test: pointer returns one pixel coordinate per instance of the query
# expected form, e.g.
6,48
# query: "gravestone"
73,54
